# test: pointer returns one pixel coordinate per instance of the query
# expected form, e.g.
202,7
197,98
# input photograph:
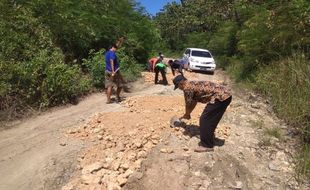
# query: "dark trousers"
163,74
209,119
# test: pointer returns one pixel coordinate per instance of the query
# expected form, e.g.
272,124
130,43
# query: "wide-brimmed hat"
177,80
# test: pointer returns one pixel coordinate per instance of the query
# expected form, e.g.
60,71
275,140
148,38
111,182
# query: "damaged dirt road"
131,145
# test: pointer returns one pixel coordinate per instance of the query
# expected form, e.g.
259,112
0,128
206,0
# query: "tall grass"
287,82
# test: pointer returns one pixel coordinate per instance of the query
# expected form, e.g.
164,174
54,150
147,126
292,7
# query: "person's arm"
172,70
112,67
190,104
188,110
154,64
120,42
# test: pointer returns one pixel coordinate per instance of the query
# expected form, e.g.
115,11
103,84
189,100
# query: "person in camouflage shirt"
216,97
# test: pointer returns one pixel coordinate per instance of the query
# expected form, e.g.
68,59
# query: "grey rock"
272,166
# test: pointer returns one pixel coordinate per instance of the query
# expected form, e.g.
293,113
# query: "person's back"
152,63
160,66
176,65
110,55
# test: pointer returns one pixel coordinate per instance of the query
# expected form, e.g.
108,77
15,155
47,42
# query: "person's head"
178,82
113,47
161,55
170,62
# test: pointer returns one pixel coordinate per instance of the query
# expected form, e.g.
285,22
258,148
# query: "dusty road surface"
131,145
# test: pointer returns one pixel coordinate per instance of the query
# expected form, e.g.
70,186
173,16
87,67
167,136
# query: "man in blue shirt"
113,76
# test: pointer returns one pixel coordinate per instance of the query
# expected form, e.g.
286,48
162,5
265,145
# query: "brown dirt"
131,145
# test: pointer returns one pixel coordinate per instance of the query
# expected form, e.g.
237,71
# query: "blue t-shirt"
111,55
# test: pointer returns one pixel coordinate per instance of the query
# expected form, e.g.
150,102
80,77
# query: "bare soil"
131,145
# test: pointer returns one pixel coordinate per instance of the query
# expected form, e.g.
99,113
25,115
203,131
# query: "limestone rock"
121,180
90,179
92,168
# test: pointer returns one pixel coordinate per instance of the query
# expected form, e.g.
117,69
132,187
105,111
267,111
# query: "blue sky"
154,6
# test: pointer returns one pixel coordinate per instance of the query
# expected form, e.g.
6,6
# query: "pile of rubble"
149,76
120,141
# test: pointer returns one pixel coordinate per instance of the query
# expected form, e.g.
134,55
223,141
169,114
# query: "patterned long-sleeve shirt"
204,92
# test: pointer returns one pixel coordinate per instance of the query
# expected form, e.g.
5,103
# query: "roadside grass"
287,83
264,142
256,124
273,132
303,163
268,134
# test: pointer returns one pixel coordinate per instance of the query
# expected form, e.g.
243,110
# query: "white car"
199,60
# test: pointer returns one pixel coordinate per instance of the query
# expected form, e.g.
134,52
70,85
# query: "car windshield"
201,53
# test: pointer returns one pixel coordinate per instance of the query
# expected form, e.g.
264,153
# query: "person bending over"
216,97
160,66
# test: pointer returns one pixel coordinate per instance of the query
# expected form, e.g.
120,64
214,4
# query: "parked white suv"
199,59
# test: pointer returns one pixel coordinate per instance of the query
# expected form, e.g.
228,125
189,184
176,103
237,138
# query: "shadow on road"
194,131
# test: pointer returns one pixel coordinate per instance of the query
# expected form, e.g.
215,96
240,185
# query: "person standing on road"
216,97
113,76
160,67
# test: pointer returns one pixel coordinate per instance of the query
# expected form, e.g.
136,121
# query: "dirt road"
131,145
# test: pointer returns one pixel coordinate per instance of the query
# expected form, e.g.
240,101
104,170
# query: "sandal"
203,149
118,99
109,102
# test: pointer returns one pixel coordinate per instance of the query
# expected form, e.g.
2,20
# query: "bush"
223,41
129,67
95,65
63,84
40,82
242,70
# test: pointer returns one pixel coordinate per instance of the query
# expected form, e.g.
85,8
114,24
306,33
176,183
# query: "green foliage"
265,142
44,43
303,162
287,82
42,81
129,67
243,70
257,124
273,132
95,65
22,35
63,84
223,41
254,38
79,27
197,39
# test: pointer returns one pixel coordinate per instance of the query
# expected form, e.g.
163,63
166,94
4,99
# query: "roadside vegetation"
263,44
52,52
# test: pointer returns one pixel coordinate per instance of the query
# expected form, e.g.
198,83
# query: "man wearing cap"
216,96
